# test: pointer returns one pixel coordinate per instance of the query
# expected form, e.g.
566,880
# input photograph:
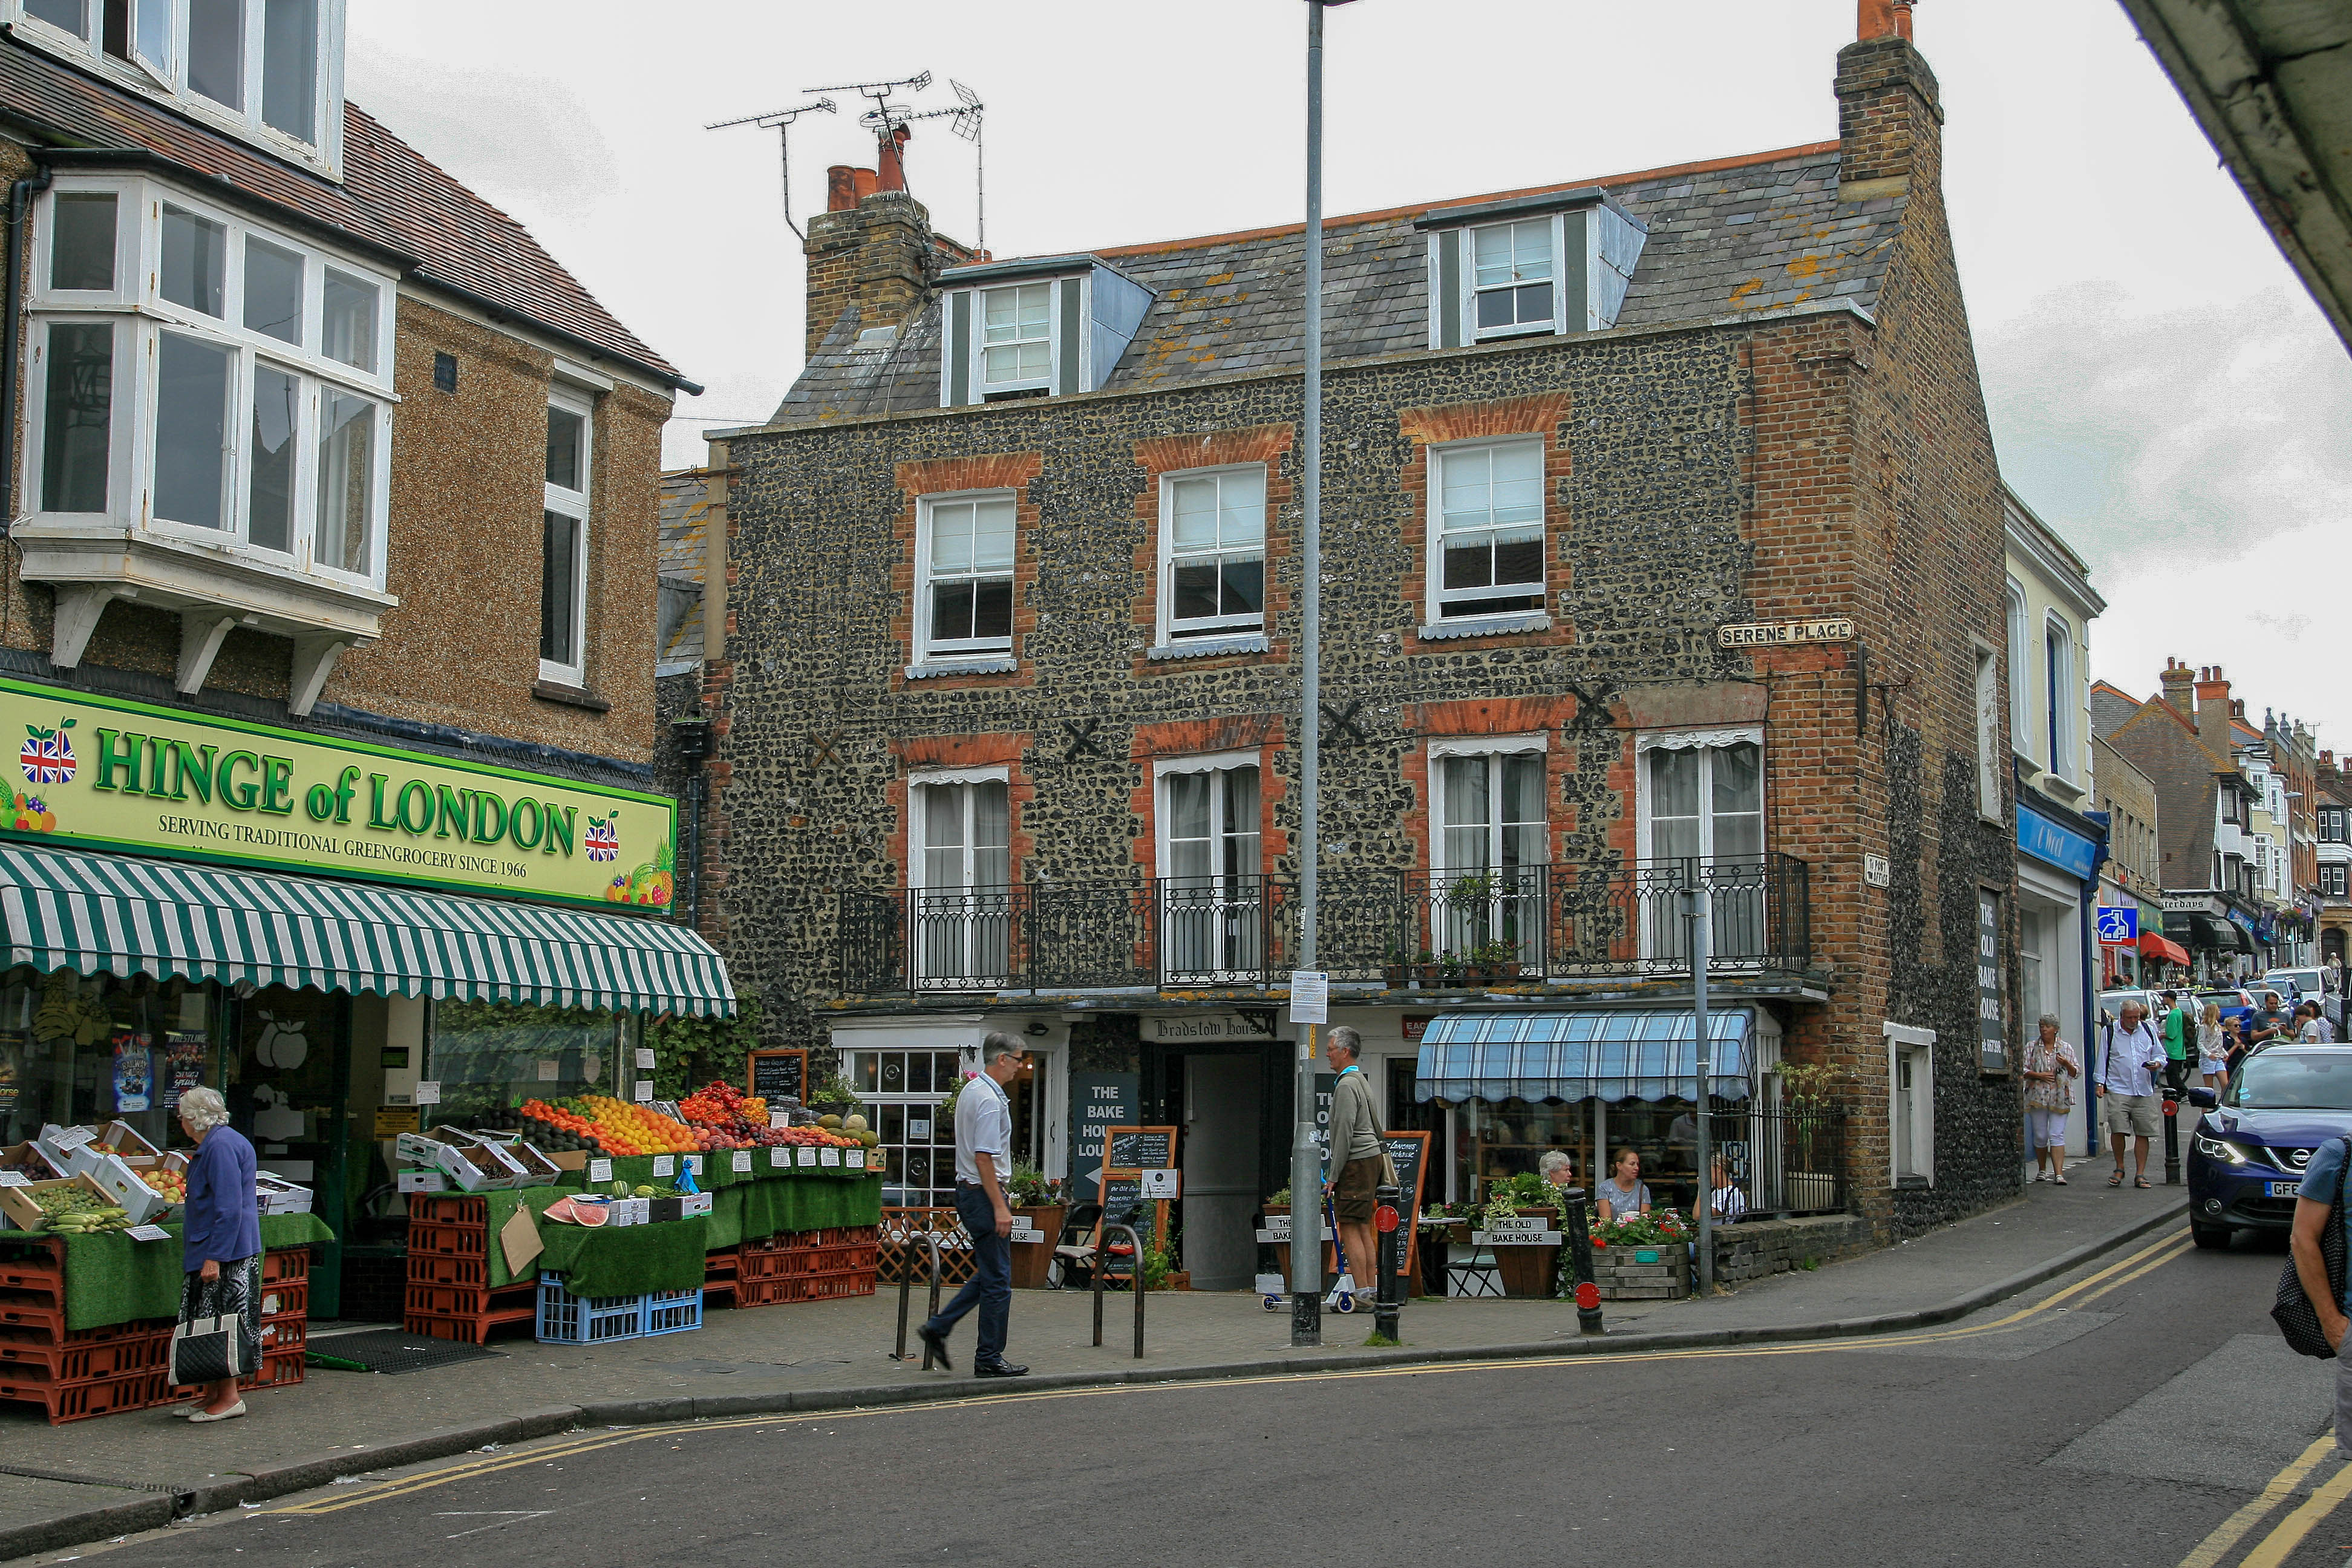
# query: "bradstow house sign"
111,773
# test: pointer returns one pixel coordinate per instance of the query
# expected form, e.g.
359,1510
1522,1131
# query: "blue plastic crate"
567,1320
672,1311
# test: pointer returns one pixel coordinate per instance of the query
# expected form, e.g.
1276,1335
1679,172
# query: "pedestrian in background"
2131,1055
2173,1020
2213,1047
2049,1070
983,1144
220,1244
2268,1024
2311,1029
1355,1174
1557,1168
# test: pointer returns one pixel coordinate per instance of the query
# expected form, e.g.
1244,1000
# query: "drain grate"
392,1352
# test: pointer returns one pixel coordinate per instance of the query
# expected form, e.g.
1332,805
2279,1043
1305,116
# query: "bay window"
257,68
1487,530
220,392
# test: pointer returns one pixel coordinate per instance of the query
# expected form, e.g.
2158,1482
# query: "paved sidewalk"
835,1353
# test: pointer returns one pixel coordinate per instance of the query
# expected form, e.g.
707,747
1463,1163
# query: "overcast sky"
2163,391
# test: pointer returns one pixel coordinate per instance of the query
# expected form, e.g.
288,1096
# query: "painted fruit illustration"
604,838
47,757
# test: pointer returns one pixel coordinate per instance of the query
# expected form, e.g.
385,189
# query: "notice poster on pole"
1310,996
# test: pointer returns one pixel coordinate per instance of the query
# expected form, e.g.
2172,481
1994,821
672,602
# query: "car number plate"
2282,1189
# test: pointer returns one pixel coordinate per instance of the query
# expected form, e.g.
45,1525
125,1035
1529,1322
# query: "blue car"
2247,1155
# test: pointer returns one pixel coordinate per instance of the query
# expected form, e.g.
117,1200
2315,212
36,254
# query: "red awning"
2154,946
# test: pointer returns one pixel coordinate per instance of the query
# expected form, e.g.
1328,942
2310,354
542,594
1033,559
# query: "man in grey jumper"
1355,1161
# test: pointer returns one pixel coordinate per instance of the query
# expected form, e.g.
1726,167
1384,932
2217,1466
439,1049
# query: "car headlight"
2219,1149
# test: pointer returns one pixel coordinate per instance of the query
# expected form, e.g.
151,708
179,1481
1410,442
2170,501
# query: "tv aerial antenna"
782,120
886,118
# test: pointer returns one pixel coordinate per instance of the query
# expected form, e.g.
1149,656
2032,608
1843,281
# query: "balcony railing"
1423,930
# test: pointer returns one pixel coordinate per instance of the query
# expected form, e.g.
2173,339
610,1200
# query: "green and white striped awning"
102,913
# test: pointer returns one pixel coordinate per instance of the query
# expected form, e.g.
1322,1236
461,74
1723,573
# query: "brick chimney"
2179,680
1890,111
872,248
2214,710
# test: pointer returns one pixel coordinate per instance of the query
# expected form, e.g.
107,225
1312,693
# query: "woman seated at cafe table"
1727,1201
1622,1195
1557,1168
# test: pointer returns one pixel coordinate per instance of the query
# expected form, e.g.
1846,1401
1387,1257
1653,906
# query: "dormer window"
1531,266
1046,327
1512,276
258,69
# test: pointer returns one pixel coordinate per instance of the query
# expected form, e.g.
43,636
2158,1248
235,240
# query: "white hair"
203,1110
1552,1160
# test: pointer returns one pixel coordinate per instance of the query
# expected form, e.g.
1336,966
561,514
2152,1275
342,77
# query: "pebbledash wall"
1809,462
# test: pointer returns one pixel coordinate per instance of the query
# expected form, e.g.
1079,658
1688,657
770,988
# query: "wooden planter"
1529,1271
1032,1258
1628,1273
1331,1256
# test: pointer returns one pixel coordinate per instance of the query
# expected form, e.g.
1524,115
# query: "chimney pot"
891,156
840,188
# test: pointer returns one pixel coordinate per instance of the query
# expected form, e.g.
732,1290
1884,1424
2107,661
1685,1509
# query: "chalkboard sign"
1411,1153
777,1074
1142,1148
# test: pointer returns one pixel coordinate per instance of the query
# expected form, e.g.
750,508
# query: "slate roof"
393,199
685,532
1737,236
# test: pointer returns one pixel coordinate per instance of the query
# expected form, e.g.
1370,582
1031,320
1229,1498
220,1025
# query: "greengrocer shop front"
346,939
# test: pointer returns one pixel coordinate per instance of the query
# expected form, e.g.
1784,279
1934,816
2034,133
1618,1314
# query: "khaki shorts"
1352,1193
2134,1115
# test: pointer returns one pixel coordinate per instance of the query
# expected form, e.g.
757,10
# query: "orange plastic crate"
287,1298
285,1263
449,1208
65,1402
448,1269
84,1362
834,1286
450,1240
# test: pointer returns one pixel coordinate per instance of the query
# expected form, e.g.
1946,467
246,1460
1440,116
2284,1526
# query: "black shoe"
938,1343
999,1369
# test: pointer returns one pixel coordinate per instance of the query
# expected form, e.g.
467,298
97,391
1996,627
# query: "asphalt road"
2133,1415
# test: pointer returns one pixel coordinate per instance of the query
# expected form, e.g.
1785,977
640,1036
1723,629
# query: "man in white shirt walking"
983,1144
2133,1053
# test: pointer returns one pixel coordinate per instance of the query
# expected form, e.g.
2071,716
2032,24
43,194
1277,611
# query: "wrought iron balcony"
1420,930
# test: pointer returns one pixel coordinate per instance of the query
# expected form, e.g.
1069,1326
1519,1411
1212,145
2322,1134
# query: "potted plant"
1449,968
1643,1256
1395,970
1037,1197
1493,961
1427,970
1526,1268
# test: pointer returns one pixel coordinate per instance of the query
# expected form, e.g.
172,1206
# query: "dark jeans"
989,1290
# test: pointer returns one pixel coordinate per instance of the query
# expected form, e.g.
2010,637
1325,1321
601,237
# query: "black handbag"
209,1350
2295,1314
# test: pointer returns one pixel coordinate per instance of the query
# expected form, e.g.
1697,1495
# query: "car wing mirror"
2203,1098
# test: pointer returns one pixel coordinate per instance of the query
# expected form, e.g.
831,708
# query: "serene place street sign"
1783,634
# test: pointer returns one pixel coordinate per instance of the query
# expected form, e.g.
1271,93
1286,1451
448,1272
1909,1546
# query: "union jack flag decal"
603,840
49,755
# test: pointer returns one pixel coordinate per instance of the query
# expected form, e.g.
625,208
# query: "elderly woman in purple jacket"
221,1245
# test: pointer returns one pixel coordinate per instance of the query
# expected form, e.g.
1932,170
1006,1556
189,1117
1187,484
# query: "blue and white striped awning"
1609,1054
103,913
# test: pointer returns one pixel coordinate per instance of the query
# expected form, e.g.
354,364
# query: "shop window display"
488,1056
902,1091
77,1049
1493,1141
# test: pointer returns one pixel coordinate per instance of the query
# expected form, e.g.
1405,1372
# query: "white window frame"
925,653
2020,675
981,387
1708,740
1537,744
2057,687
166,80
140,314
1436,594
1208,627
1163,769
572,504
1919,1045
918,846
1555,230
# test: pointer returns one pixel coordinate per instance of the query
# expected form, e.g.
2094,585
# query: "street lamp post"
1306,1162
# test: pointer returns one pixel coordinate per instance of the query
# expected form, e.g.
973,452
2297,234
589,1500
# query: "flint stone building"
1001,657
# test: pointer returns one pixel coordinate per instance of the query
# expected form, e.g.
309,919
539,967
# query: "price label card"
828,1155
13,1179
645,1058
644,1091
780,1119
779,1157
600,1170
74,1137
1161,1183
694,1163
147,1233
549,1071
428,1091
664,1165
424,1181
857,1159
742,1161
804,1155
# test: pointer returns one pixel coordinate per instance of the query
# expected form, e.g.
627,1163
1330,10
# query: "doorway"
1221,1169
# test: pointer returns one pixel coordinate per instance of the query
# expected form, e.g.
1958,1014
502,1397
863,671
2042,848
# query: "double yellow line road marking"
2108,1280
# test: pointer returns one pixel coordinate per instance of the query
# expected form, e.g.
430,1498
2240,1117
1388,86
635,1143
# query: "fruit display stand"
86,1320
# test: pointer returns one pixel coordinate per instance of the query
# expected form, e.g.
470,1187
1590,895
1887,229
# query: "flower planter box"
1032,1258
1643,1273
1529,1271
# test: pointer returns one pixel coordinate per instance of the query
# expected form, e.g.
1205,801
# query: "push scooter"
1341,1296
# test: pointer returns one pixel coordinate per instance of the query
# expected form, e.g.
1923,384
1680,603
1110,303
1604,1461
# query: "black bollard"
1580,1241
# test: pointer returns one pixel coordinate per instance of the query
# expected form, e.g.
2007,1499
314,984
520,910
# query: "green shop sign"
100,771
